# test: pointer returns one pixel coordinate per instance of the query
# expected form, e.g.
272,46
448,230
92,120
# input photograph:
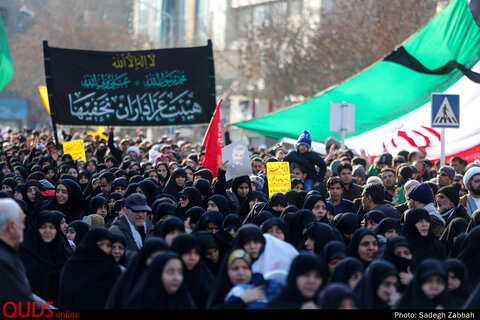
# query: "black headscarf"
334,249
150,189
171,186
346,223
358,235
236,182
261,217
366,288
422,247
469,254
346,269
249,232
164,227
208,241
275,221
162,210
414,298
461,294
244,209
96,202
222,203
125,283
334,294
310,202
455,227
43,262
200,279
475,221
194,213
204,187
402,264
322,233
387,224
290,297
194,199
297,223
457,244
76,207
81,229
83,286
276,199
294,198
209,216
149,292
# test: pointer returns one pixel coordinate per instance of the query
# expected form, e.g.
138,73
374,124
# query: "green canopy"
431,61
6,64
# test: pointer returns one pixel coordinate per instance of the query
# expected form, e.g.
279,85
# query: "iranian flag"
392,97
413,131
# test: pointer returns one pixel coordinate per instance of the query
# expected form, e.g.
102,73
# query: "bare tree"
66,24
290,58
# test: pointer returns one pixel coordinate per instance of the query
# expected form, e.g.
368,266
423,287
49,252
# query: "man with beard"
471,179
448,205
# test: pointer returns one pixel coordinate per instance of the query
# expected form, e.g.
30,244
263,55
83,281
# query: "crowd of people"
143,225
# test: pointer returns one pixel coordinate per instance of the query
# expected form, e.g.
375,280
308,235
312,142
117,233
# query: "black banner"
164,87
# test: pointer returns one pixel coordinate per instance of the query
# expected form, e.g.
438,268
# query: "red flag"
213,143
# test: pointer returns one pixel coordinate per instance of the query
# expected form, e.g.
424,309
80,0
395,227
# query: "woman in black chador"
89,275
162,285
44,252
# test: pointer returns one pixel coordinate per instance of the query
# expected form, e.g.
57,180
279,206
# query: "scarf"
136,235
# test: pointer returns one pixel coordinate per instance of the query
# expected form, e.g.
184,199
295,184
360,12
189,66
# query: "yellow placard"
75,148
278,175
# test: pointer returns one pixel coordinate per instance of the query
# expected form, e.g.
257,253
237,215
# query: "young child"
313,161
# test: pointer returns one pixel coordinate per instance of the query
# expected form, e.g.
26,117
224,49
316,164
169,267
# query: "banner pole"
48,77
442,151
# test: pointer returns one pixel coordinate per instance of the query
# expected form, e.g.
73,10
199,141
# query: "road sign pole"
442,144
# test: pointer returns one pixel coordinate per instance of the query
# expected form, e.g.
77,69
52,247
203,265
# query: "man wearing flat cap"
134,225
471,179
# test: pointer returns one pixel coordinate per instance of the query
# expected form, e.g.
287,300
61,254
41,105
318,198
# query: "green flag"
432,60
6,64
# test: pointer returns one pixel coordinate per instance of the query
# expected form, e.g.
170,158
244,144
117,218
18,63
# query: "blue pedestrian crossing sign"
445,110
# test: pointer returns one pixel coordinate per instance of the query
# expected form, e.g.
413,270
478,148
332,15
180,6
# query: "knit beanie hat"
421,193
449,171
305,138
452,192
257,181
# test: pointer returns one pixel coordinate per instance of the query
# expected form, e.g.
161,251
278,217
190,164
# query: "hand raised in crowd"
188,228
252,294
406,277
223,166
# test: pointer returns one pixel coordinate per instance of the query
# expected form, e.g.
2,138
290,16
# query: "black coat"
83,286
149,292
43,262
13,277
125,283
